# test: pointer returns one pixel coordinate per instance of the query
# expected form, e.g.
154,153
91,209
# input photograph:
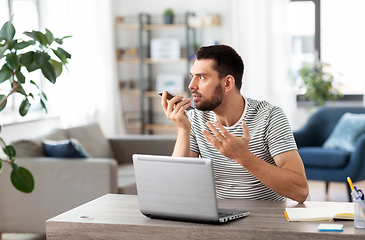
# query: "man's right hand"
175,111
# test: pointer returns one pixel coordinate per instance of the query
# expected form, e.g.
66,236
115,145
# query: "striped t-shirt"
270,135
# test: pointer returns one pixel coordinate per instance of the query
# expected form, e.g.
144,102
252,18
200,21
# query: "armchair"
324,164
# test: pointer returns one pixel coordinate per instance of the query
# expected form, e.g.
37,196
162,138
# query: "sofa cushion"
70,148
92,139
55,135
33,147
346,132
28,148
327,158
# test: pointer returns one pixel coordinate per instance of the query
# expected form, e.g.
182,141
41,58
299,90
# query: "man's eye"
201,77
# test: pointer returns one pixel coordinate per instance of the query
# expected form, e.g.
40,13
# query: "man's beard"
217,99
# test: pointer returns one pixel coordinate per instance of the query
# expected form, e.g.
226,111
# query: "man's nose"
192,84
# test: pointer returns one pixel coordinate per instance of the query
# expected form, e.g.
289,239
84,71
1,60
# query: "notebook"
179,188
327,213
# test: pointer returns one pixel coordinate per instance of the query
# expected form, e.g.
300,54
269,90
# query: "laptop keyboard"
224,214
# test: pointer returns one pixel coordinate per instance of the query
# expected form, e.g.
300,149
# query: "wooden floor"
337,193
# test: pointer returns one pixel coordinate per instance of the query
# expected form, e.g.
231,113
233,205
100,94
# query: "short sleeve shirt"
270,135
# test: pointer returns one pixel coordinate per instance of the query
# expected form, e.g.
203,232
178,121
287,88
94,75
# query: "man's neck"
231,109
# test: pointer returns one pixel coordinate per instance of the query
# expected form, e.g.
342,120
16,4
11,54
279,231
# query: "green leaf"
2,50
12,61
66,37
60,40
57,66
14,166
7,32
11,44
2,96
49,72
44,96
32,82
3,145
46,57
1,166
20,89
22,180
5,73
32,34
44,105
37,36
27,58
2,142
49,37
31,95
22,45
24,107
38,58
60,56
33,67
20,76
42,38
10,151
63,52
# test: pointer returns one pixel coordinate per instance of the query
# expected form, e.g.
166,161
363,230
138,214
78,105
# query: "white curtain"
89,91
259,33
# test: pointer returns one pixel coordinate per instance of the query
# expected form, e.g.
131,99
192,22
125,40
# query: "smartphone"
170,96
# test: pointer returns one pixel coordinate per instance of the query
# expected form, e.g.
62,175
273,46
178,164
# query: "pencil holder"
359,218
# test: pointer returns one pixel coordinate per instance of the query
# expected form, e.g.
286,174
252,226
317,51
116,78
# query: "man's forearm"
182,145
286,182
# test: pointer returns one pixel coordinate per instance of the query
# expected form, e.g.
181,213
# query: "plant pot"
169,19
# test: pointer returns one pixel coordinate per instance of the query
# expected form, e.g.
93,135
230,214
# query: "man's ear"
229,83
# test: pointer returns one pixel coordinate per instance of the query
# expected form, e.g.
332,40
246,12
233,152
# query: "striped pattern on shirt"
270,135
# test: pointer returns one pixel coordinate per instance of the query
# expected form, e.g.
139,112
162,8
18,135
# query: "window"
343,41
332,31
25,16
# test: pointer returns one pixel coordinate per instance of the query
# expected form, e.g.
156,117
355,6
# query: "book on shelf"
329,212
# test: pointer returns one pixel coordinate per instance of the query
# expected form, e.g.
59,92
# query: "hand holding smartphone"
170,96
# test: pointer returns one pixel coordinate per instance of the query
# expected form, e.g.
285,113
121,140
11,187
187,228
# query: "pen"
355,195
361,194
350,183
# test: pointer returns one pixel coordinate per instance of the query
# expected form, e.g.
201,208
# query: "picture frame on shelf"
165,48
170,81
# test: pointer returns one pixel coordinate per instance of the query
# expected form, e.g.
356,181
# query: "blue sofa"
329,165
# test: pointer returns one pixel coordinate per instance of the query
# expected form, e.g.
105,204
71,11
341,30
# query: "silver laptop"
178,188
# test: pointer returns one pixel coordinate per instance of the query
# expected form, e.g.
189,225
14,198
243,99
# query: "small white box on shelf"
165,48
170,81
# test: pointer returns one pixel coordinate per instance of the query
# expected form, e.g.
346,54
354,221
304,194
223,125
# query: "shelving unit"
144,97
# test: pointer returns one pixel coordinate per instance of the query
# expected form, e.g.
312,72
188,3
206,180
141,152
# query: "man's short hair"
227,61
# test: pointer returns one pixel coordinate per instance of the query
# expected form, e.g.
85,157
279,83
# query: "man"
250,142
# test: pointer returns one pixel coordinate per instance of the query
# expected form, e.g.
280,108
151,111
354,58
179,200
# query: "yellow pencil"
350,183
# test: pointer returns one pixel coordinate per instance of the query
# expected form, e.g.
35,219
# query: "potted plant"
41,55
168,16
318,83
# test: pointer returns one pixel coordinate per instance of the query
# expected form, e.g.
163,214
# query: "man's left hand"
227,144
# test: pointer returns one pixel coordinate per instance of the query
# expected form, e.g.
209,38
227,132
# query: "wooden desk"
117,216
